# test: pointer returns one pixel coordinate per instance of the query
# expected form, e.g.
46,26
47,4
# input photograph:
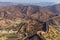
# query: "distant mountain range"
39,4
7,3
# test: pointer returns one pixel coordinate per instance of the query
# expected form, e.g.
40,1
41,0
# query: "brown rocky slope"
32,15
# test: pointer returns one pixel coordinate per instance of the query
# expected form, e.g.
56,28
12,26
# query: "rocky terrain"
25,12
31,21
54,8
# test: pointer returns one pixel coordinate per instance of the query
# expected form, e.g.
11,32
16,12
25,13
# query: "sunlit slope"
53,34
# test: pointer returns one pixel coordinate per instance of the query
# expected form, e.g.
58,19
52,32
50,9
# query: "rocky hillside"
36,18
27,12
54,8
53,34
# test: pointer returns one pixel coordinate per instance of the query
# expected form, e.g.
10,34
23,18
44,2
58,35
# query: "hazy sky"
30,1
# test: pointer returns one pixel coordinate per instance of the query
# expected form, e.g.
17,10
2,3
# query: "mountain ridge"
54,8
